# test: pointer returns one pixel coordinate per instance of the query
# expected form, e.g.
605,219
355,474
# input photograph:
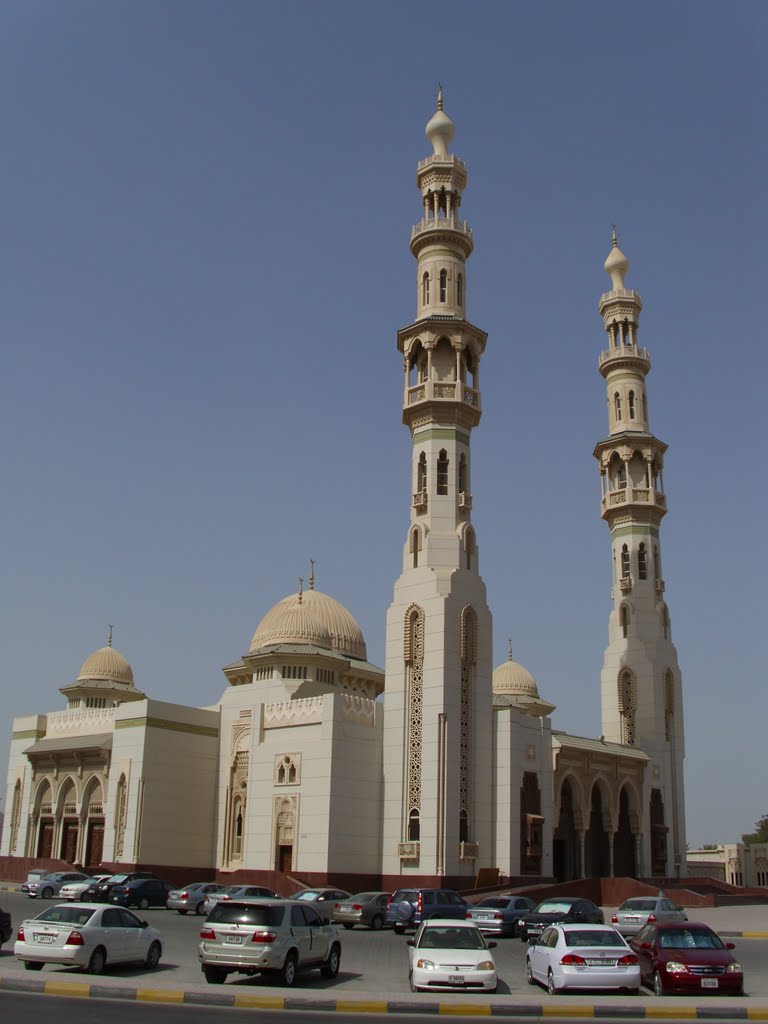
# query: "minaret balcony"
624,355
625,584
420,501
408,851
443,391
634,496
660,587
431,229
469,851
465,501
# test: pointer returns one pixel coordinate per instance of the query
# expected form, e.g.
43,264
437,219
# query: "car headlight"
674,967
486,965
426,965
733,968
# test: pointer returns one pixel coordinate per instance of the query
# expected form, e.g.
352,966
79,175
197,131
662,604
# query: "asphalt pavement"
373,978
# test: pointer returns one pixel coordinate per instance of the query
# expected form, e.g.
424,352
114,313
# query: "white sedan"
591,956
74,890
450,955
89,936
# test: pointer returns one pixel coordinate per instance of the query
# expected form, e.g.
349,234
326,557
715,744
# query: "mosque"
315,765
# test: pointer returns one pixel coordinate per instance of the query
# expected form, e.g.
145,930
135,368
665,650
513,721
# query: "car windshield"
405,896
451,938
308,894
238,913
646,905
67,915
361,897
587,937
118,878
553,907
689,938
493,901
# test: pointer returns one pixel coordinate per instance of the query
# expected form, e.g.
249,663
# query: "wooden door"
285,859
94,846
45,838
69,835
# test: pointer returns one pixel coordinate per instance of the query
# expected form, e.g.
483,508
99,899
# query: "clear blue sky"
206,210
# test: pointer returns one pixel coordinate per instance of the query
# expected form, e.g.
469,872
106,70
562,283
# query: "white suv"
282,936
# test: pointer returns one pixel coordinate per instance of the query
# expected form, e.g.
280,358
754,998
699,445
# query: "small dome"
616,265
106,663
440,129
291,621
512,678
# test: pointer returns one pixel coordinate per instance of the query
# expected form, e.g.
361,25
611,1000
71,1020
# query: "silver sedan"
49,885
192,897
637,912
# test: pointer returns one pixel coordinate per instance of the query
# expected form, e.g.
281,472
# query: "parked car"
451,955
591,956
366,908
407,908
558,910
498,915
321,895
238,892
101,892
6,926
142,893
87,936
49,885
686,957
75,890
192,897
281,937
636,913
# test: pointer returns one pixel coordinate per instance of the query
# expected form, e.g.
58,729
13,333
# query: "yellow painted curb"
567,1011
671,1012
67,988
259,1002
463,1009
753,935
159,995
355,1006
757,1014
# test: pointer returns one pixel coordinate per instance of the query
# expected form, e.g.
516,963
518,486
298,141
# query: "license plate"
345,909
455,979
709,983
601,963
484,917
235,940
42,937
631,917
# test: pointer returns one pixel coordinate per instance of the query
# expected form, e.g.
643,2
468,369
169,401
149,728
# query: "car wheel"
529,973
153,956
288,971
97,962
398,929
551,987
658,985
347,925
32,965
47,893
214,975
182,912
331,966
200,908
377,923
413,987
142,902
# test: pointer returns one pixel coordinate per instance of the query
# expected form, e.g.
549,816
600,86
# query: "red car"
684,956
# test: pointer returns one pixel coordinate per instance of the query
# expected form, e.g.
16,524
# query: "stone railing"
624,352
307,711
469,851
625,584
637,496
442,391
359,709
441,224
449,158
420,501
465,500
80,720
408,851
660,586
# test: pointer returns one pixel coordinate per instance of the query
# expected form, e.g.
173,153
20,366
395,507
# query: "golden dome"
311,618
514,679
106,663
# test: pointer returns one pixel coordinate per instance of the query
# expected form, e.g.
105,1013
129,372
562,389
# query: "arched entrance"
66,813
624,863
92,818
565,843
596,853
42,815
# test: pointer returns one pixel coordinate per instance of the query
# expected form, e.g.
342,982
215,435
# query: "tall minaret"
641,682
438,710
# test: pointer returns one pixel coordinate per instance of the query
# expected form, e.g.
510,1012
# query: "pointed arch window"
656,563
625,561
463,474
415,545
665,622
621,478
442,472
669,704
414,826
627,706
463,826
443,285
421,473
645,407
425,290
631,405
470,547
617,405
642,564
460,290
624,620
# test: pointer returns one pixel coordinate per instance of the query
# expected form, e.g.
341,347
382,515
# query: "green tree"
760,835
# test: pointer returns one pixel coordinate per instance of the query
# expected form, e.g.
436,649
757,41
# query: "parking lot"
374,964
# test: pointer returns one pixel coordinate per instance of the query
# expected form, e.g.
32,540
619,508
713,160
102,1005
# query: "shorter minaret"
641,681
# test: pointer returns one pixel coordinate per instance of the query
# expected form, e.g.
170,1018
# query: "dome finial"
510,648
617,263
439,95
109,638
301,588
311,574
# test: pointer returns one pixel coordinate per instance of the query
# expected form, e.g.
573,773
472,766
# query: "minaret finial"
311,574
614,238
510,648
301,588
439,95
109,638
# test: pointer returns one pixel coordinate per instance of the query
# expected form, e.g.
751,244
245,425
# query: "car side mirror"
730,945
531,942
144,924
410,942
644,945
491,945
326,920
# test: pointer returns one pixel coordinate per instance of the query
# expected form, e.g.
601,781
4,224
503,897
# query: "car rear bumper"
597,977
70,956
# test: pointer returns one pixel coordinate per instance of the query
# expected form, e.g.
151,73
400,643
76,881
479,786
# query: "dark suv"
101,892
142,893
407,908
